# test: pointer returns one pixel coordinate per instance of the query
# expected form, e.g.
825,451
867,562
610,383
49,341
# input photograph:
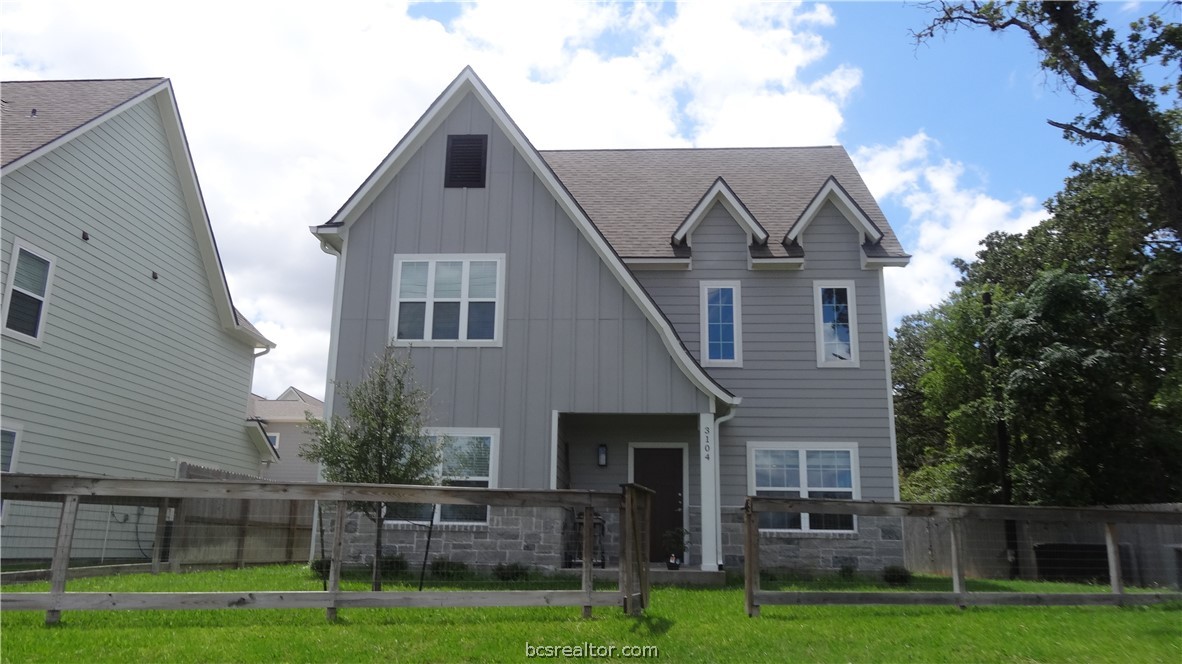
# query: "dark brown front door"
660,469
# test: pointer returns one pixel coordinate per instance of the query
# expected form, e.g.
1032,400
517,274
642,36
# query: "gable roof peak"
831,191
720,192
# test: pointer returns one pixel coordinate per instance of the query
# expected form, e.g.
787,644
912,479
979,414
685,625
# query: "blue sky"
290,105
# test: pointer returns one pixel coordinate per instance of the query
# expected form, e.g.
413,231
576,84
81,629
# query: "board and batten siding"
573,340
786,397
133,374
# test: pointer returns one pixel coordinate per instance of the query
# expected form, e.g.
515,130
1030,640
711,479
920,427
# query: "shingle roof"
638,198
286,410
61,107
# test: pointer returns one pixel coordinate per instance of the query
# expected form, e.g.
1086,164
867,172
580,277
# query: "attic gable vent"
466,158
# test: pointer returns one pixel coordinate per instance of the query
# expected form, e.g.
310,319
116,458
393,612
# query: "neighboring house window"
837,323
466,159
273,439
9,442
468,459
817,470
27,296
722,324
445,300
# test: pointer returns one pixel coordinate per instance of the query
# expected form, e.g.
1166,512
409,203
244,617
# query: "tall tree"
381,441
1089,56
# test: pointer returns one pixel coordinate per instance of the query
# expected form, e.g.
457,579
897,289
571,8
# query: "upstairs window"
448,300
721,312
467,156
817,470
836,319
27,295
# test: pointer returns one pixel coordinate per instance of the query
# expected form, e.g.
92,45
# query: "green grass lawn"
684,625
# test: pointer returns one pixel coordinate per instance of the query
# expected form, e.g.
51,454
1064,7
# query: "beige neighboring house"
283,419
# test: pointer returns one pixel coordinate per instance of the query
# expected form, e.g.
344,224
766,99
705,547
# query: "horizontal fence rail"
633,503
961,517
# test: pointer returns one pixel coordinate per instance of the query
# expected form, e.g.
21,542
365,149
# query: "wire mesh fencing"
274,545
811,551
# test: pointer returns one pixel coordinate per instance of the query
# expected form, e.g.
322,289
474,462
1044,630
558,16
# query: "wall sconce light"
602,456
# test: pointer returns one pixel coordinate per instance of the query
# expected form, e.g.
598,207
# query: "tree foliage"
381,441
1086,343
1108,68
1053,374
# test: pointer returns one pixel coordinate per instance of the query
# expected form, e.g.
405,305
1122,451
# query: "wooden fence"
958,515
229,531
634,503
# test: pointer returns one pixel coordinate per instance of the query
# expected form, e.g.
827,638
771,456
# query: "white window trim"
17,246
18,430
494,465
855,477
276,434
704,339
431,260
818,325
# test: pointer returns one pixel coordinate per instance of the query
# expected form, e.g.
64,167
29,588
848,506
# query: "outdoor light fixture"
602,456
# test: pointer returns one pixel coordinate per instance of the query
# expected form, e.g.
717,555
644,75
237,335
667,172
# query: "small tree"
380,442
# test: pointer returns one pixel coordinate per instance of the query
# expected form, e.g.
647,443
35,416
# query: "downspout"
718,422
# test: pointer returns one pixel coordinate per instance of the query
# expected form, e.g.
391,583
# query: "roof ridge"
85,80
720,149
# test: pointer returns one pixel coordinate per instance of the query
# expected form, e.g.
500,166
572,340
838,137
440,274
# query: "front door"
660,469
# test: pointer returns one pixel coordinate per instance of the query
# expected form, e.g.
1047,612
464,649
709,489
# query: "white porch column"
708,462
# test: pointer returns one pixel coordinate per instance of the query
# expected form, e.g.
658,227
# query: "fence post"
750,558
642,546
1114,575
625,566
158,539
334,568
957,557
292,513
179,533
243,520
588,553
61,555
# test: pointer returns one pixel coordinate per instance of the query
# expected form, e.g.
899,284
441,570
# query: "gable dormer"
720,193
869,236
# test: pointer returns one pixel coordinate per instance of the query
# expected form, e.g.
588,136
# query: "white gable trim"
721,192
469,82
833,192
199,217
191,189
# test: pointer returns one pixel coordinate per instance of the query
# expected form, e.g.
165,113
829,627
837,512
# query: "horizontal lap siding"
786,398
133,373
573,340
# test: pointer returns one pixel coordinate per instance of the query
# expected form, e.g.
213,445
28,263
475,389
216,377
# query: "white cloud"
948,217
289,105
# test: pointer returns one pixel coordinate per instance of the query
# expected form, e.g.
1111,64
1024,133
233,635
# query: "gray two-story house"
710,323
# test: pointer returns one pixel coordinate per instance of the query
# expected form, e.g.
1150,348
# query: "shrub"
394,566
896,575
847,572
320,568
448,569
511,572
